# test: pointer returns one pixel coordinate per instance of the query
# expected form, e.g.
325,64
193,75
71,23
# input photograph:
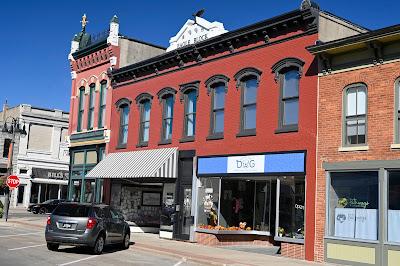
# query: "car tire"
43,210
34,212
98,245
126,241
52,247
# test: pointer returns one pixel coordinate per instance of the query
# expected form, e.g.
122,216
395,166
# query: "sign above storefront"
195,31
273,163
49,174
246,164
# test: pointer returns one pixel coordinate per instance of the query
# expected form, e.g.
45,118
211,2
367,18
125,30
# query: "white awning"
50,181
157,163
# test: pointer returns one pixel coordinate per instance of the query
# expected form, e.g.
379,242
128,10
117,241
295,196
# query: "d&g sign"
246,164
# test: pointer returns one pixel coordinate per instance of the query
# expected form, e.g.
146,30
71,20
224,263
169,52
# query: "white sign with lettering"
195,31
246,164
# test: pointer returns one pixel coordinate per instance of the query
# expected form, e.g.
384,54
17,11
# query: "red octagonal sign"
12,181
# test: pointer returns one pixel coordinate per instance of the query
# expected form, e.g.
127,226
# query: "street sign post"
12,181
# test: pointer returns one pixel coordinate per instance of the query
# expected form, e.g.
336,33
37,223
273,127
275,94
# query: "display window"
250,204
393,207
353,205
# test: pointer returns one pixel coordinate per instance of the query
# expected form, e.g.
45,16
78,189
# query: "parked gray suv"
90,225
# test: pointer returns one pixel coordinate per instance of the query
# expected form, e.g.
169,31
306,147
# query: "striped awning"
158,163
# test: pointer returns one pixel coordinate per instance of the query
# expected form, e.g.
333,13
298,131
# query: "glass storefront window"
89,191
291,207
208,197
76,190
353,205
34,193
394,207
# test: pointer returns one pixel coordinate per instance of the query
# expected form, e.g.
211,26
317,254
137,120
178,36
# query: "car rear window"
72,210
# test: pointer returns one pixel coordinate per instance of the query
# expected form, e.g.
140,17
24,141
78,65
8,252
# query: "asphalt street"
27,246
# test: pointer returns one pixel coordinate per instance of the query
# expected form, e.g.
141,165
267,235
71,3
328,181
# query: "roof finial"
84,21
115,19
198,14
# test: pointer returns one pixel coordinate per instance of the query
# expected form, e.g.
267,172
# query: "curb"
188,256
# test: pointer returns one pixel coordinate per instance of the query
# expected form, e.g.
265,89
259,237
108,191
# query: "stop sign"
12,181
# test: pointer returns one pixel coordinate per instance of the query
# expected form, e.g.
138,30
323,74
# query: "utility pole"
14,128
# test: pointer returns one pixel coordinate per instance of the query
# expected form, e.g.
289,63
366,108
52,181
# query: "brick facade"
233,240
380,81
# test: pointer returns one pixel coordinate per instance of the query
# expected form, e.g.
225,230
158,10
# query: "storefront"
83,189
142,187
363,212
47,184
251,198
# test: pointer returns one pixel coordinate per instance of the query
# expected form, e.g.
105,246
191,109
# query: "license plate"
67,226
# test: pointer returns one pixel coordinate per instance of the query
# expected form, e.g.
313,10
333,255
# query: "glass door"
184,214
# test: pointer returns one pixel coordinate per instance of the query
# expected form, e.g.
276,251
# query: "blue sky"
35,36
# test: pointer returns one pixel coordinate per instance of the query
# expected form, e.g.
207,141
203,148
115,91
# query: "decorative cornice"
142,97
123,101
184,88
216,79
259,32
245,72
165,91
286,63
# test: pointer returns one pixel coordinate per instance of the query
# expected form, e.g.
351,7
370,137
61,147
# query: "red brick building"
358,181
218,135
91,56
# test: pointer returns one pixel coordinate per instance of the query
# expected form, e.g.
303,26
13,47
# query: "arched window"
355,115
144,103
81,108
217,86
102,104
287,73
247,80
123,106
167,99
92,96
189,93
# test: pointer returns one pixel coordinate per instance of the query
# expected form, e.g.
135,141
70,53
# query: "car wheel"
52,247
98,245
126,241
34,212
43,210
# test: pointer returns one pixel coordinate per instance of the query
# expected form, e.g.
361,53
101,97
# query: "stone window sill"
354,148
215,136
246,133
165,142
395,146
187,139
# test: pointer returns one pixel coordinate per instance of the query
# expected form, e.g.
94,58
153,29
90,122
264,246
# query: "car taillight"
91,223
48,220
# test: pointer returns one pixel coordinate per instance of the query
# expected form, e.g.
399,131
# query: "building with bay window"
91,57
214,141
358,180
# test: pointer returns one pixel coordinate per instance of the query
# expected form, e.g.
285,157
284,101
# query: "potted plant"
342,202
281,231
1,209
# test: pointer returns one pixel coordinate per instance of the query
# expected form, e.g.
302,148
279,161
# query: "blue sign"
273,163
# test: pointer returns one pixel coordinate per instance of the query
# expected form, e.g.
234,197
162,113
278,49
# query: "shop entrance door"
21,190
185,219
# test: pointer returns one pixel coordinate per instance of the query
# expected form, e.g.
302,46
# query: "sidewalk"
204,255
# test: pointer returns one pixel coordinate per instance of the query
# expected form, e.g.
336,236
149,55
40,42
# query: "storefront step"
138,229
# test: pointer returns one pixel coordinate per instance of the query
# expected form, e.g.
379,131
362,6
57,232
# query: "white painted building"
42,159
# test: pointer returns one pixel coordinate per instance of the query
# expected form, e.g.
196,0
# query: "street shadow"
86,251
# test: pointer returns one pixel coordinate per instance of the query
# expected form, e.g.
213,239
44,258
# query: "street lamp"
14,126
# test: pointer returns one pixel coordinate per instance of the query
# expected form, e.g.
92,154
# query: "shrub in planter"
1,212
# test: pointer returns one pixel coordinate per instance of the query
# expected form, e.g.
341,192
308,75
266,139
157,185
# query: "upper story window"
355,114
102,103
217,87
123,106
248,79
287,73
144,102
189,93
6,147
81,108
167,99
92,96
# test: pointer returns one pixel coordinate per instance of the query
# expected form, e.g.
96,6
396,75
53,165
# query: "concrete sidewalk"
204,255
